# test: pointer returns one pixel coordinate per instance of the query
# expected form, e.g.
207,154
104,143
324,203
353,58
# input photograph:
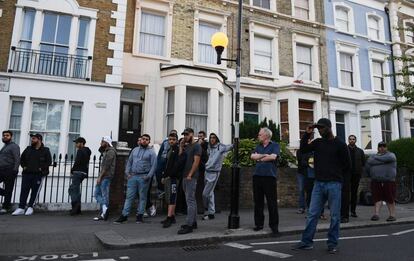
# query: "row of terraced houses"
127,67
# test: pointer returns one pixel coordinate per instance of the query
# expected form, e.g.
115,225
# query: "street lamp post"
220,41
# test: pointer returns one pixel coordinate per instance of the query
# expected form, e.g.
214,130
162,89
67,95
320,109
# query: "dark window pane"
251,106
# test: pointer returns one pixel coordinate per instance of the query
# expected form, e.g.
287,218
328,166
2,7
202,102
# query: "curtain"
16,120
197,109
304,62
302,9
263,54
152,36
206,53
75,118
262,3
346,69
342,21
373,27
28,22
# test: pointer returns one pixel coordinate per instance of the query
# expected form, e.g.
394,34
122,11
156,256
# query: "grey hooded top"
382,167
216,154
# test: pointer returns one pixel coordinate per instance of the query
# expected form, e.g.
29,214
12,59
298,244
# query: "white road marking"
124,257
272,253
403,232
237,245
108,259
95,254
315,240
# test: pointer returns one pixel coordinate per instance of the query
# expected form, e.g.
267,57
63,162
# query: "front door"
130,123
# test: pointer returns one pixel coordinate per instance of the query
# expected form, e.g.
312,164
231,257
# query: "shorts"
384,191
171,185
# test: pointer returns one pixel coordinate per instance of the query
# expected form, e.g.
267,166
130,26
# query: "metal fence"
54,187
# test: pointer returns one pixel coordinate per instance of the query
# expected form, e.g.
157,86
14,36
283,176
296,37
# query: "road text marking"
272,253
237,245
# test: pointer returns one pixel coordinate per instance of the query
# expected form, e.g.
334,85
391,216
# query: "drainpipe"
232,108
387,11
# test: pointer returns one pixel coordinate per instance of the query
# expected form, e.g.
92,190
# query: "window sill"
223,66
153,57
353,89
345,32
267,76
380,41
382,93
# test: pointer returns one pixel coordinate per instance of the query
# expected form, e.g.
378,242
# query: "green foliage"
246,148
249,129
404,151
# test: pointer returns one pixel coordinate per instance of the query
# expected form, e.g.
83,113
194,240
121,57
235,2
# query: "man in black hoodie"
78,173
35,161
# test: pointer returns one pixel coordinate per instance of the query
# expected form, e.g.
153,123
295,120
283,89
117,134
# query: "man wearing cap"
106,174
9,167
79,172
331,165
35,161
382,168
190,174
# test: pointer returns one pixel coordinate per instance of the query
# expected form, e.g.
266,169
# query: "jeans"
265,187
75,186
136,185
301,190
210,182
30,182
102,192
8,177
323,191
189,187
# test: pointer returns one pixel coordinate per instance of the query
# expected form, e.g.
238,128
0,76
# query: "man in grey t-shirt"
190,175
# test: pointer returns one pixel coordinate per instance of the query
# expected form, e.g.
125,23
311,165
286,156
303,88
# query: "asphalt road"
381,243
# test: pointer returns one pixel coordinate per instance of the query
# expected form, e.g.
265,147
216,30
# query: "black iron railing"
50,63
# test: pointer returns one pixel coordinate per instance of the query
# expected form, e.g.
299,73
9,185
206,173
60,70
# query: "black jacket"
82,160
303,164
357,161
36,161
175,163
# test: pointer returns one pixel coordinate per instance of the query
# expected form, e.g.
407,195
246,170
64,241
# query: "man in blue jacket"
139,170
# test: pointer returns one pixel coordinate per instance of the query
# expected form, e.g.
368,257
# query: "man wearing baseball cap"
331,165
79,172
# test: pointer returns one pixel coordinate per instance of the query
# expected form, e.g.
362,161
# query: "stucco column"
293,108
180,96
64,127
376,128
354,126
37,30
25,127
332,117
266,109
213,112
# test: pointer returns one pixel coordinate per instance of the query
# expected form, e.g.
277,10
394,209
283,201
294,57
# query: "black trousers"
7,177
30,184
149,202
354,193
346,185
265,187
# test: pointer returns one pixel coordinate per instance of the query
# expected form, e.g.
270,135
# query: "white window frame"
16,99
169,114
312,42
369,131
380,26
273,6
408,22
68,7
312,15
354,51
214,18
351,23
410,52
159,8
71,104
376,55
258,113
272,33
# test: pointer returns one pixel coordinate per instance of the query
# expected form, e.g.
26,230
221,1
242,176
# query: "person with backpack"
216,153
35,161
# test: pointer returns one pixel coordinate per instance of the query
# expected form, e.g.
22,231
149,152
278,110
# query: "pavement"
43,230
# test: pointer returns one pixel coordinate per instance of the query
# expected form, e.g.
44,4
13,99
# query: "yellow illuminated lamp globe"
219,39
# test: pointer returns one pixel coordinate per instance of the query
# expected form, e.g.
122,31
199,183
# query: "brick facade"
6,25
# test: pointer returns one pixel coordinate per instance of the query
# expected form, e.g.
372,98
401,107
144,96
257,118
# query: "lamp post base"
234,221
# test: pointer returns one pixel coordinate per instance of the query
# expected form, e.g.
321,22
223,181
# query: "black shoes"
275,232
76,209
121,219
140,219
257,228
208,217
185,229
353,214
344,220
168,222
332,250
301,246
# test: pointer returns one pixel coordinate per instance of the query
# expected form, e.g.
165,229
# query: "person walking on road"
332,163
78,173
106,174
382,168
139,170
9,167
264,181
216,152
35,161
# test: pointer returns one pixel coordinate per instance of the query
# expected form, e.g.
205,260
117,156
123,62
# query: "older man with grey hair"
264,181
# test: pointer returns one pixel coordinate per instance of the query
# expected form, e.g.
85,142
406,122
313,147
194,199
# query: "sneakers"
257,228
140,219
300,211
301,246
29,211
354,214
332,250
208,217
121,219
153,210
100,217
3,211
375,218
18,212
344,220
391,219
146,214
185,229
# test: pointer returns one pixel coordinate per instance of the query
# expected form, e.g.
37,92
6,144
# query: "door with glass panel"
130,123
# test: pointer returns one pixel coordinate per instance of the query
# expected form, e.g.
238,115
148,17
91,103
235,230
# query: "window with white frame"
170,109
304,62
302,9
340,126
152,34
80,66
27,29
251,112
46,120
347,69
74,127
262,3
409,32
374,31
15,122
263,55
366,140
284,120
206,53
378,75
386,129
196,109
305,116
342,18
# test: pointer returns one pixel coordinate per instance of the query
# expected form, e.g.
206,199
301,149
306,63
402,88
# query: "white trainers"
153,211
18,212
3,211
29,211
146,214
